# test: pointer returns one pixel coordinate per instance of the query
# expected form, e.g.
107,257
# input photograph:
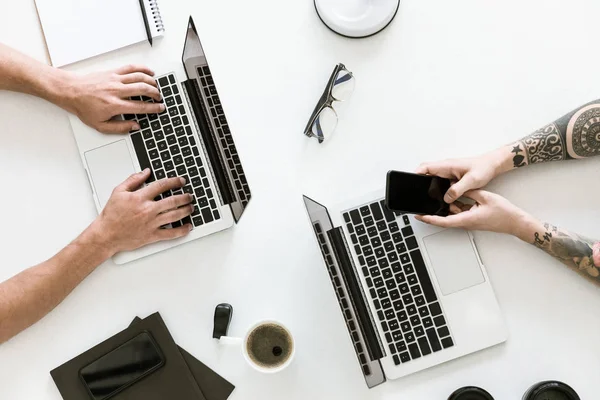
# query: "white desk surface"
445,79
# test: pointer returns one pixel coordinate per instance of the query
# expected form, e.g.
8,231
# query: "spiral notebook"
79,29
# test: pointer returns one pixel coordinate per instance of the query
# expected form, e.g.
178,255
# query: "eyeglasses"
323,119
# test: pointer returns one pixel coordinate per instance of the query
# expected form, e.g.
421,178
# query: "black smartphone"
122,367
416,194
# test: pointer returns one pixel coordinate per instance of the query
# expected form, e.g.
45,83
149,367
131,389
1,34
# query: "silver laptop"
191,138
412,295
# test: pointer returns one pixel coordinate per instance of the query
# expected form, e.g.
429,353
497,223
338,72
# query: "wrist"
59,88
98,238
526,226
501,160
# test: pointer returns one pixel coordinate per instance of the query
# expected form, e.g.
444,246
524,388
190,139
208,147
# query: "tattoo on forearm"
575,135
578,252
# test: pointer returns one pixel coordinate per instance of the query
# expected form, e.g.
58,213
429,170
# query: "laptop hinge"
357,297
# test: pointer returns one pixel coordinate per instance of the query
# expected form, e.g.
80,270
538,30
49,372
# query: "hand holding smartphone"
416,194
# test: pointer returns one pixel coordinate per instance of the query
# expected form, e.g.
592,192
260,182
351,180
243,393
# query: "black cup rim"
538,388
470,390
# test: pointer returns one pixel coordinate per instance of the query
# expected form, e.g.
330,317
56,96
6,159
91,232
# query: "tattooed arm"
575,135
492,212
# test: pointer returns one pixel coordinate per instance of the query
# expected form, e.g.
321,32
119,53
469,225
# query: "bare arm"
31,294
130,219
95,98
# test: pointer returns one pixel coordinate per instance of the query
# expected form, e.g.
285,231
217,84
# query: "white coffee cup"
229,340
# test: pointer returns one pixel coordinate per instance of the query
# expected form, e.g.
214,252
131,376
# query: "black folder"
179,378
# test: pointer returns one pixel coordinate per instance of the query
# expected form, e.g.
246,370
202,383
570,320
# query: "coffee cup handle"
230,341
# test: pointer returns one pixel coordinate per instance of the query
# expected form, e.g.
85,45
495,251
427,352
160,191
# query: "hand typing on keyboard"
132,219
97,98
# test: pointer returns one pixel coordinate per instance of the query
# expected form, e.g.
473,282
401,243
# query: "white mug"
229,340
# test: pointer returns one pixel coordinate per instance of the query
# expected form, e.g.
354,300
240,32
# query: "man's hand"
467,173
97,98
490,212
131,217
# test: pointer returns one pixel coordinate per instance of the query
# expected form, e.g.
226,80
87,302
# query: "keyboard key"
435,309
427,322
411,309
439,321
424,278
400,278
418,330
163,81
447,342
443,331
388,246
376,210
147,134
392,347
360,230
416,290
393,226
403,288
364,240
402,316
415,320
404,357
162,145
400,248
407,298
164,119
396,360
433,339
375,242
189,161
412,279
207,215
396,268
197,221
183,141
389,314
372,231
155,125
423,311
411,243
394,294
397,335
401,346
405,326
150,144
397,237
398,305
387,273
140,151
186,151
414,350
393,324
371,262
407,231
384,326
409,337
385,236
382,292
181,170
166,91
424,346
368,221
165,156
386,303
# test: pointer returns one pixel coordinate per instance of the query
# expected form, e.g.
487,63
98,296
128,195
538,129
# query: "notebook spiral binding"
158,22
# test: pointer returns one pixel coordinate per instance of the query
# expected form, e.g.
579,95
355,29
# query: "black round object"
470,393
551,390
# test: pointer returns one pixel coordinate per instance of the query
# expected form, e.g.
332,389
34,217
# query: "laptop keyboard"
341,296
224,134
399,284
165,143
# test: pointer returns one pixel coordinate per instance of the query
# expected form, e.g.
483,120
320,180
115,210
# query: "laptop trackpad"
109,166
454,260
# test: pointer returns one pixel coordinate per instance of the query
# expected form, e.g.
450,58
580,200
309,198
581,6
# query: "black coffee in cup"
269,345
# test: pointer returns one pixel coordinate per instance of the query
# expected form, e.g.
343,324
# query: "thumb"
134,181
458,189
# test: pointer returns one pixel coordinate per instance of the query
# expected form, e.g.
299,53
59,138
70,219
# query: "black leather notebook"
174,380
212,385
